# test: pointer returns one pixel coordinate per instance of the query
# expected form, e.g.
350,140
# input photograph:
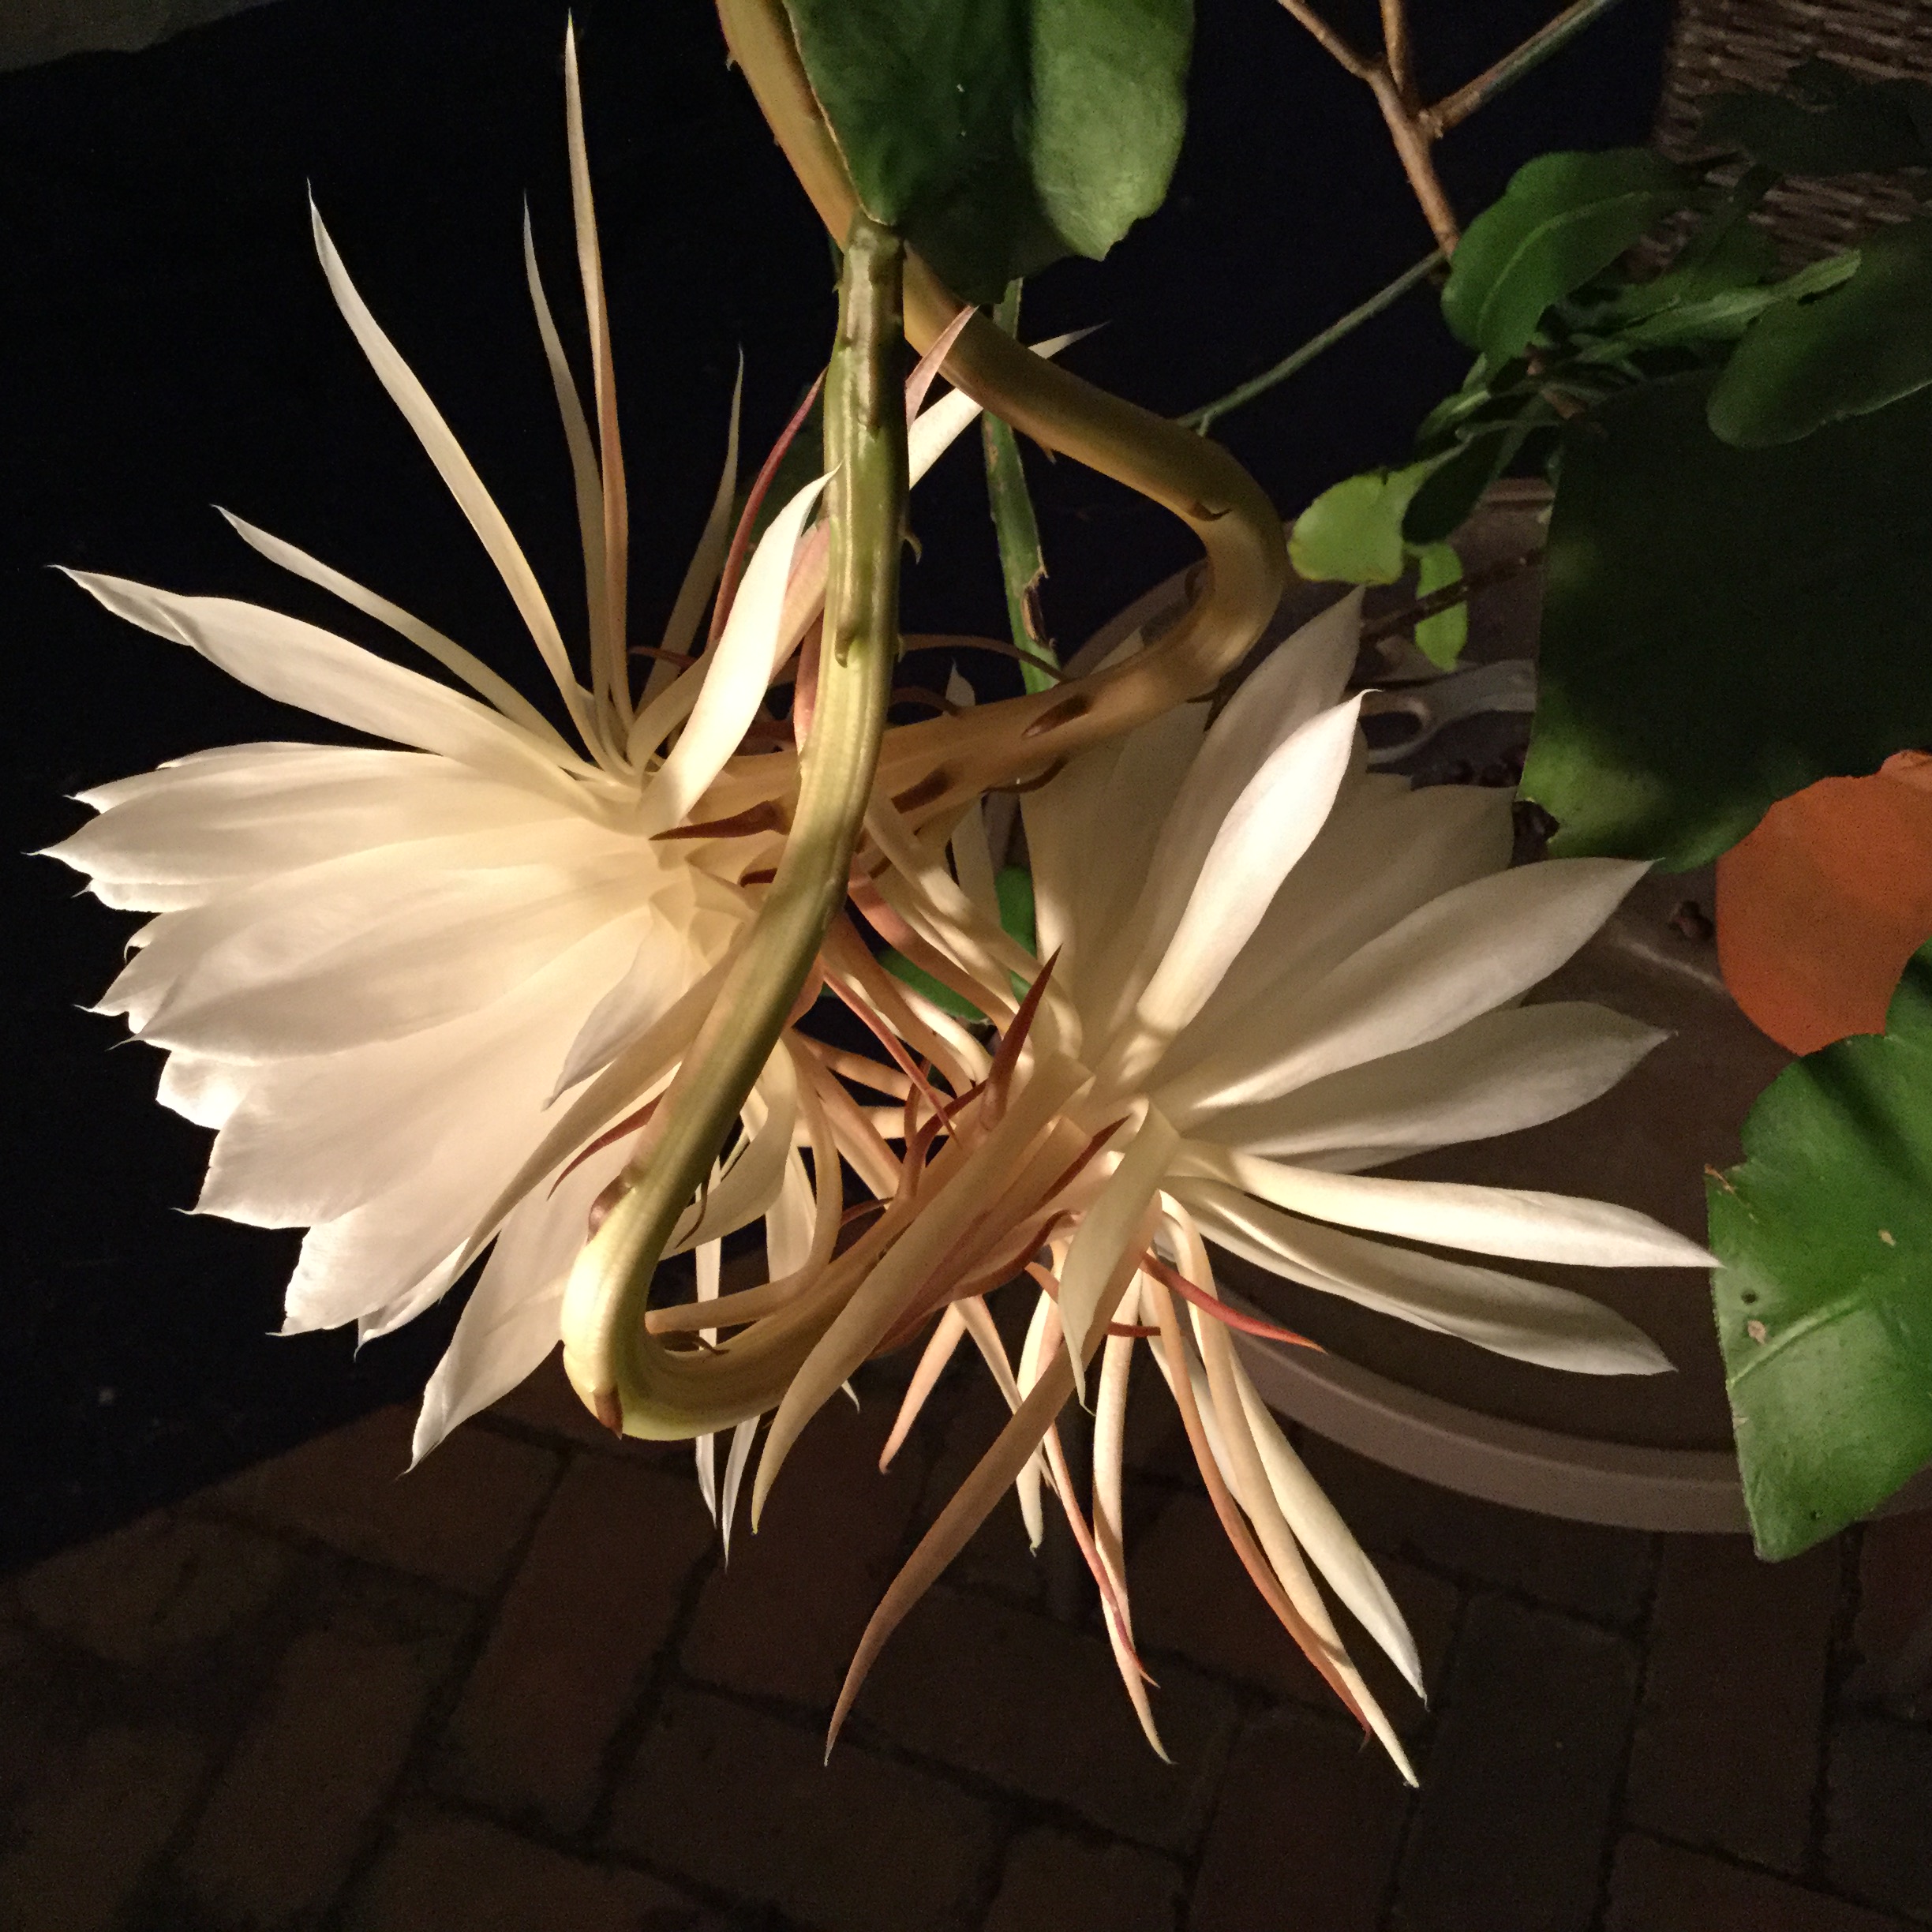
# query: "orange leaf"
1819,909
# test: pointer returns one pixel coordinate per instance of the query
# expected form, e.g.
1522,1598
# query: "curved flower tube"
629,1381
1196,479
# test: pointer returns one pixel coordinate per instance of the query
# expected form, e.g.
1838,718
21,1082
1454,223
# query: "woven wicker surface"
1720,44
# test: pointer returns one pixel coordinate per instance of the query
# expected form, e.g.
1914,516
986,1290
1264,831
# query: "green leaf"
1014,884
1723,627
1448,496
1740,258
1563,218
1842,126
998,135
1440,639
1352,532
937,991
1866,343
1825,1298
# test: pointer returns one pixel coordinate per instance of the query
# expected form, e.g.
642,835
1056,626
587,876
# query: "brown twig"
1399,52
1415,129
1455,108
1450,595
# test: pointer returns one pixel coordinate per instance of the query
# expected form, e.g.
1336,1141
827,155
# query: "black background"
169,344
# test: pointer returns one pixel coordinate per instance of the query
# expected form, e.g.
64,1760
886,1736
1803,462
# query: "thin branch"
1456,108
1203,418
1399,52
1437,601
1331,41
1414,151
1415,129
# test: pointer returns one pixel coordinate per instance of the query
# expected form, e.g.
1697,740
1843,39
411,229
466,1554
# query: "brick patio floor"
518,1691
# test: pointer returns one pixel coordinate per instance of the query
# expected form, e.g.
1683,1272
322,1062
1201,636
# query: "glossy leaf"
1352,532
1838,125
1563,220
1448,496
1722,628
998,135
1824,1299
1864,344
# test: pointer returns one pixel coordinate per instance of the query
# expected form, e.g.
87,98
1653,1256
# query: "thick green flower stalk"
631,1382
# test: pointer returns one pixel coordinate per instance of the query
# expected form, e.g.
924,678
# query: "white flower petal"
1520,1223
1503,1071
410,396
203,1090
1384,851
493,690
1263,834
737,673
1106,1232
789,1221
363,949
450,1112
1468,951
1110,855
244,818
1031,1479
509,1325
1506,1314
972,856
1303,677
355,1266
1332,1547
122,791
751,1182
298,664
735,1464
1062,851
610,677
937,427
149,894
707,561
663,966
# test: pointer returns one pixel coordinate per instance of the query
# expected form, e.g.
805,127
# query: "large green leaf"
1563,218
1352,532
998,135
1839,125
1825,1298
1723,627
1866,343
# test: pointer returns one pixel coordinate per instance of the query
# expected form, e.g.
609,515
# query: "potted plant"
544,990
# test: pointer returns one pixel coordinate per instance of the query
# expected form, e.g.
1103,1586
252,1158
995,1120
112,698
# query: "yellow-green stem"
630,1380
1021,564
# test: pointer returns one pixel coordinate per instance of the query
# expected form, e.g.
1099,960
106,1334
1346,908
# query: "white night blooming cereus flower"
1267,970
420,993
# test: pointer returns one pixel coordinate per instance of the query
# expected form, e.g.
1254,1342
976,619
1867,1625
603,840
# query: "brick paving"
520,1691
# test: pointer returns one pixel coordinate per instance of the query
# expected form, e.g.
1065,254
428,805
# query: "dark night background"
169,344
